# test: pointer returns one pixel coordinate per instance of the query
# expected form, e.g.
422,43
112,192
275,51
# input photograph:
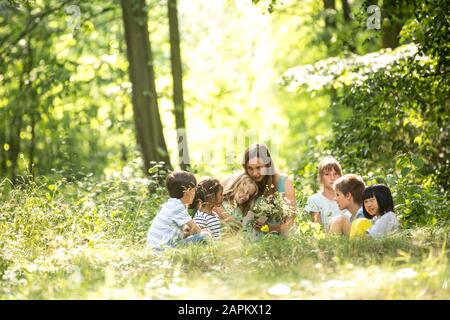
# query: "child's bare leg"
347,227
340,225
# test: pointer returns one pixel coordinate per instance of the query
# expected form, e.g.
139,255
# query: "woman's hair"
383,195
326,165
233,187
267,185
206,192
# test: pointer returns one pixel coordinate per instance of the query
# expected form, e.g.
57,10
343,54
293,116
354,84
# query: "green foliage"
46,213
84,240
392,115
429,29
270,5
418,200
67,231
57,85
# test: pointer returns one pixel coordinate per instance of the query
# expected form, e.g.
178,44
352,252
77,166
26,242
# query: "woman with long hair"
259,166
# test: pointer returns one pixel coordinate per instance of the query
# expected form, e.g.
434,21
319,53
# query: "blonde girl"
239,196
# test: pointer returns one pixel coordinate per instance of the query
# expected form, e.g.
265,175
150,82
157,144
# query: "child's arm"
313,209
315,216
192,228
223,215
290,196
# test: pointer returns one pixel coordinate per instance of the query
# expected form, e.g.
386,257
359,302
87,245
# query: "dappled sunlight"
101,102
350,70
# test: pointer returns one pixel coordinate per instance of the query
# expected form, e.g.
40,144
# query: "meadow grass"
80,239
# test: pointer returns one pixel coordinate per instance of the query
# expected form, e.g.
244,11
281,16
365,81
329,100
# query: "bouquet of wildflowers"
270,208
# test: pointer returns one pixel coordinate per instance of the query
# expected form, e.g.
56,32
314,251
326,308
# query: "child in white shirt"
379,204
322,206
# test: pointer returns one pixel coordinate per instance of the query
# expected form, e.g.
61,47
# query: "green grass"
86,240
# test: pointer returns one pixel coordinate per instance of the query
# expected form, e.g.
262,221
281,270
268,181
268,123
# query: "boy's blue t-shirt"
359,214
166,226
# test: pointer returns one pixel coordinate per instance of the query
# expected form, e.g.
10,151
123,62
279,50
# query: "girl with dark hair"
209,194
378,207
378,204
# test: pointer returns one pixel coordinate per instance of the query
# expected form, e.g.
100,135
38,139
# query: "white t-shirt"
166,226
384,225
326,207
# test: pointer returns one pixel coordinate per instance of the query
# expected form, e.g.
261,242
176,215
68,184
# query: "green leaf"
418,162
405,171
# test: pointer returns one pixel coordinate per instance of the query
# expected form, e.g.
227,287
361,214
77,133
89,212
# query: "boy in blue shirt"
349,192
173,225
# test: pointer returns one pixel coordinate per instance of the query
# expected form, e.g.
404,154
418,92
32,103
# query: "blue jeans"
195,238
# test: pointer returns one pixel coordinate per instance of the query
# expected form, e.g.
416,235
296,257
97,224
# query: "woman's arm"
290,193
290,197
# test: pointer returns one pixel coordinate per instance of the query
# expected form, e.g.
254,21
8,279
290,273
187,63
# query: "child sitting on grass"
172,223
379,206
322,206
208,195
349,193
239,197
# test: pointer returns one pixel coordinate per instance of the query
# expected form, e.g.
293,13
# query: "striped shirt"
208,221
166,226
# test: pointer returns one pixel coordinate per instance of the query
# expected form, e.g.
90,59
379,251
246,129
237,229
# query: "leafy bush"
44,214
391,114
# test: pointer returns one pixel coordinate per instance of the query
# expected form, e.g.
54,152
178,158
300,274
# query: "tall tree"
23,102
393,14
330,9
346,11
147,120
177,77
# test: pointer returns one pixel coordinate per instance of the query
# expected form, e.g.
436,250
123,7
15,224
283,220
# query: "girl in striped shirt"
209,194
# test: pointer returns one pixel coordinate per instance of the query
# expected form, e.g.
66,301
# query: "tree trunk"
149,131
123,146
392,11
32,144
330,25
346,11
3,135
17,120
14,142
330,20
177,77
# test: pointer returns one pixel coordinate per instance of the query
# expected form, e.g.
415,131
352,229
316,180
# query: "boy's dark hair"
206,191
178,181
353,184
383,195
